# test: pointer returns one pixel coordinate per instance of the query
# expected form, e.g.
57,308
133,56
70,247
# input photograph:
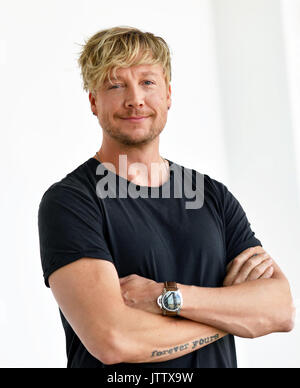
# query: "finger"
259,270
249,266
229,276
229,265
268,273
123,280
238,262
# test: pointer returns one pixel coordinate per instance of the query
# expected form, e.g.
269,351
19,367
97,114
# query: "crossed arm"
118,320
254,301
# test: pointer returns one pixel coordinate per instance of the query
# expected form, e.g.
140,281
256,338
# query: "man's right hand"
254,263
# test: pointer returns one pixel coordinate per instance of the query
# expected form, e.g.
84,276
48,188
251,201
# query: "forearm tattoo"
192,345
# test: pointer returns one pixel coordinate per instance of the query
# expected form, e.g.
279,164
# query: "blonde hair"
117,47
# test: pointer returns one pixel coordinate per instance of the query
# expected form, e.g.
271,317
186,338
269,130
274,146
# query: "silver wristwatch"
170,301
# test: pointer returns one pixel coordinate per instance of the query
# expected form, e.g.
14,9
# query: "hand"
141,293
253,263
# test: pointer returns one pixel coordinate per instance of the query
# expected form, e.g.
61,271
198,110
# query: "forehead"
139,70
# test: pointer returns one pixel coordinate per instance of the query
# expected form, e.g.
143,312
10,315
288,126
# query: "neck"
140,167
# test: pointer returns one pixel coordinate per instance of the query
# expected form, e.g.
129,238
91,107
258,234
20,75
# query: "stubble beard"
128,140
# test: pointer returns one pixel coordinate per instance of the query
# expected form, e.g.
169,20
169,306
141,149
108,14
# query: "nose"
134,97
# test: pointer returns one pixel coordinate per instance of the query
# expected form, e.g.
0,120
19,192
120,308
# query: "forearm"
250,309
146,337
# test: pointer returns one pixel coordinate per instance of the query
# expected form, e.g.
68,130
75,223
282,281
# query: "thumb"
123,280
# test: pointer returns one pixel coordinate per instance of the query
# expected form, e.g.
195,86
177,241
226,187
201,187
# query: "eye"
114,87
151,83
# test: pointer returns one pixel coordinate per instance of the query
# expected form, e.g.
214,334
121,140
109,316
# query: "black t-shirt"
158,238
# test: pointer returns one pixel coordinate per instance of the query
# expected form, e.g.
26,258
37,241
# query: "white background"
235,116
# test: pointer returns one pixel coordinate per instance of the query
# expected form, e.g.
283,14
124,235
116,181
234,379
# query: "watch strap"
169,313
170,286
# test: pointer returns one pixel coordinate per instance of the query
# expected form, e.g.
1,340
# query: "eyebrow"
144,73
148,73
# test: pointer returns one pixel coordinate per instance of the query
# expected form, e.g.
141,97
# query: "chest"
161,240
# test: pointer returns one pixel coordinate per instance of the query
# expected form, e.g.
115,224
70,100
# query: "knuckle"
251,262
256,272
247,266
269,271
252,251
237,281
238,260
258,249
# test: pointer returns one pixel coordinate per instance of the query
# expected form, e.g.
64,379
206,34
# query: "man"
148,279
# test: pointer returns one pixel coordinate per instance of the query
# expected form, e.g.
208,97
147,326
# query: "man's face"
138,91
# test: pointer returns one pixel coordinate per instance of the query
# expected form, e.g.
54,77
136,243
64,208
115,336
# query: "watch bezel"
162,296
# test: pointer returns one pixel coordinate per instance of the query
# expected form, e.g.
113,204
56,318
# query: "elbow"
288,318
283,318
273,318
114,346
283,321
279,321
288,313
106,350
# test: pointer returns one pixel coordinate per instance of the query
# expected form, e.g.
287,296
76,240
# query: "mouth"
135,119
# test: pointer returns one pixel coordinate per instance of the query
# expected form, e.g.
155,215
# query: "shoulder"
215,192
216,188
210,183
212,187
77,186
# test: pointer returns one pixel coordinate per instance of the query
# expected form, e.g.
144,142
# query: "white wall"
260,145
47,130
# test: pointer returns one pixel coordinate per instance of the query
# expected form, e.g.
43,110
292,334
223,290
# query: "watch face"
172,300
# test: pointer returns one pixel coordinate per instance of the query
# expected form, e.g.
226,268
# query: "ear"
169,99
92,98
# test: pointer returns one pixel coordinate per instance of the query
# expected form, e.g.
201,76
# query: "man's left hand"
141,293
252,264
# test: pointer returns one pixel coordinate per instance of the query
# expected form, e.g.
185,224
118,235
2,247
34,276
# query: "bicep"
89,295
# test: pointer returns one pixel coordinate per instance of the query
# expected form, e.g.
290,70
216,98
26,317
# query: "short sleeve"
70,227
238,233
